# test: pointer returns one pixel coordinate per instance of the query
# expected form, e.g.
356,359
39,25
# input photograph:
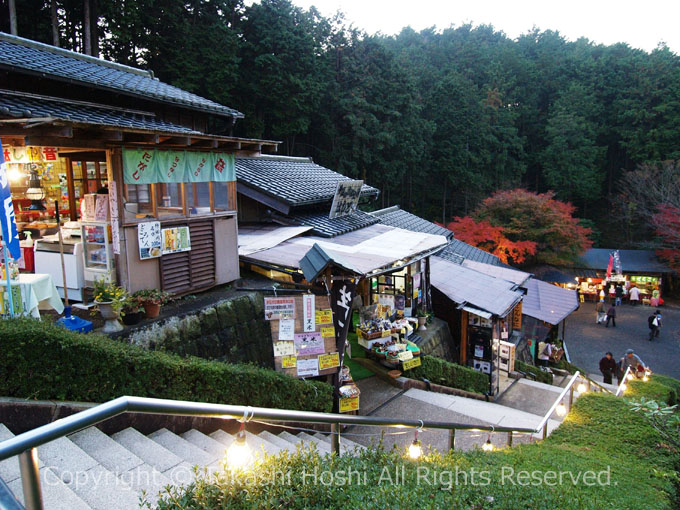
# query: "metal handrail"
543,424
620,389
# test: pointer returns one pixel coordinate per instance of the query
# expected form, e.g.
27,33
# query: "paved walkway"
587,341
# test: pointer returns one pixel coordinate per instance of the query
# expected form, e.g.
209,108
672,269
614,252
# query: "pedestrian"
632,361
634,296
545,350
618,292
608,367
600,311
611,315
654,323
602,295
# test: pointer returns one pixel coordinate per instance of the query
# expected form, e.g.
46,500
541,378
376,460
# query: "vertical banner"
309,313
342,296
9,225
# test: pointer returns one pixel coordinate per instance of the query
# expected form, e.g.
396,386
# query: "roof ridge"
386,210
74,54
292,159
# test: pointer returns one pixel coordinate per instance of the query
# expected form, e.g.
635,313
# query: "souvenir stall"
405,289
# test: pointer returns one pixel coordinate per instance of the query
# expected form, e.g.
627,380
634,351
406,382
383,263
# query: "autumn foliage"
521,227
667,225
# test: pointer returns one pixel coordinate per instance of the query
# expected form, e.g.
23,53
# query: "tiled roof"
642,261
396,217
20,54
456,250
19,105
295,181
324,226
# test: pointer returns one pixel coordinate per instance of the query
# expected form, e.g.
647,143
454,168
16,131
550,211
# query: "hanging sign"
309,343
149,239
324,317
289,362
148,166
175,239
276,308
286,329
329,361
308,367
346,198
308,313
517,317
284,349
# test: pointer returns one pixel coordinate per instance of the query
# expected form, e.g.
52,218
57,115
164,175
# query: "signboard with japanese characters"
175,239
293,344
346,198
30,154
149,239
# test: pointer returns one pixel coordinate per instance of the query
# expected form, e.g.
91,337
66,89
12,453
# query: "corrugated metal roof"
396,217
326,227
294,181
632,261
464,285
504,273
548,303
21,54
263,237
457,249
20,105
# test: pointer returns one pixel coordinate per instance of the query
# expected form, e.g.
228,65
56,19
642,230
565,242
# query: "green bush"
439,371
600,435
541,375
43,361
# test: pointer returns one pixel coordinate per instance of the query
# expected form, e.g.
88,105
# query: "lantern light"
561,409
239,455
415,451
582,388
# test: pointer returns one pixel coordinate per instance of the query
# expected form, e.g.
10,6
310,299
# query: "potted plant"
132,312
152,300
109,299
422,319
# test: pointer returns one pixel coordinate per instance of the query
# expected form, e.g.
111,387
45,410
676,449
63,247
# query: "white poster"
286,329
284,349
308,367
308,318
149,239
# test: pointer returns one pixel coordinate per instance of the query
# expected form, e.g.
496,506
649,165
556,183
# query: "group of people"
653,321
609,367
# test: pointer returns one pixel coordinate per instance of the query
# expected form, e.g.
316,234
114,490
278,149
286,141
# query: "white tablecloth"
37,289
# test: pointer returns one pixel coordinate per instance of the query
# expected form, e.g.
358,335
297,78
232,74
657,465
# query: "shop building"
143,171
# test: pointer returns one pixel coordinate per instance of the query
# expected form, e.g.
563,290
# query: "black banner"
342,296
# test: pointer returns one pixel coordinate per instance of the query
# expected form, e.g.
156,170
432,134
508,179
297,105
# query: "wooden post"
452,439
510,439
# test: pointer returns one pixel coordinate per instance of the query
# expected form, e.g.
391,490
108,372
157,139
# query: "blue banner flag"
9,224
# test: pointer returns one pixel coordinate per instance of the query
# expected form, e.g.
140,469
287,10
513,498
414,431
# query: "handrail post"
571,396
510,439
452,439
545,430
30,479
335,438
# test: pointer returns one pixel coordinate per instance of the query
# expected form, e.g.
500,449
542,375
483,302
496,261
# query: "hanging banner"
9,225
142,166
308,313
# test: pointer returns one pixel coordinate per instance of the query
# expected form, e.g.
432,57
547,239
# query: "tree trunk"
444,204
94,29
13,18
55,23
87,40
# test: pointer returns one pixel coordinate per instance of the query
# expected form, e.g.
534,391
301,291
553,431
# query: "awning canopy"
547,302
467,287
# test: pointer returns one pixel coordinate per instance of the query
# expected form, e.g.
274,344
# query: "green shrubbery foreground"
606,456
541,375
42,361
439,371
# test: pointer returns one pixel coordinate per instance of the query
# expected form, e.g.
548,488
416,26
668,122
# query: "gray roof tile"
21,54
396,217
325,227
457,249
296,182
18,105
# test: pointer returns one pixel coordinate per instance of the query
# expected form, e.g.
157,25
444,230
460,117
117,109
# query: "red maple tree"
667,225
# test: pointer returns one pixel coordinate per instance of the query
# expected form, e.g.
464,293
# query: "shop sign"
148,166
346,198
324,316
175,239
517,317
149,239
309,343
328,332
308,313
285,348
113,206
329,361
9,225
308,367
277,308
412,363
30,154
405,355
289,362
349,404
286,329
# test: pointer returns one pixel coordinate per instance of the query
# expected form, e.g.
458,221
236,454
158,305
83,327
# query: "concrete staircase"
91,470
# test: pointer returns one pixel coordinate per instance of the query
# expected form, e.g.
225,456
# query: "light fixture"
239,456
35,193
630,376
415,450
14,174
582,388
488,446
561,409
645,378
624,387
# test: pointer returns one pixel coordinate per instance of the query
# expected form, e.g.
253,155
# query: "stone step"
56,495
147,449
347,446
291,438
109,453
277,440
182,448
261,443
205,443
321,446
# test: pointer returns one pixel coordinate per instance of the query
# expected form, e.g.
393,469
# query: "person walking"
608,367
545,350
654,323
634,296
611,315
618,292
600,312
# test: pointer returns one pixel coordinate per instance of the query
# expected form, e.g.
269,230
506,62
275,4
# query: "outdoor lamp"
488,446
414,449
582,388
35,193
645,378
630,376
561,409
239,455
624,387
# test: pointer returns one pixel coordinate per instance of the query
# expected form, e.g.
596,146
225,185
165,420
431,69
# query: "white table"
37,290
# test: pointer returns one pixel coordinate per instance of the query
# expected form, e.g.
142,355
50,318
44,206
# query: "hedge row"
439,371
541,375
45,362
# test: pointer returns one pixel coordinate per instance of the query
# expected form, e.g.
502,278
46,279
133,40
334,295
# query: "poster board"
149,239
306,365
175,239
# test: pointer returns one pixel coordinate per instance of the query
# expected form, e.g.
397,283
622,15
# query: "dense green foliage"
439,371
541,375
43,361
438,120
599,435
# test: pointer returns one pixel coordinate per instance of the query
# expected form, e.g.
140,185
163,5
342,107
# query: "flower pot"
421,323
151,309
110,316
132,318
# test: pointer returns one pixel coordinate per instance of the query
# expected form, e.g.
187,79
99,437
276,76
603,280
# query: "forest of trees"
438,120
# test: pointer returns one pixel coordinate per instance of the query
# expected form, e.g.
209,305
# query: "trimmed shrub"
43,361
439,371
541,375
